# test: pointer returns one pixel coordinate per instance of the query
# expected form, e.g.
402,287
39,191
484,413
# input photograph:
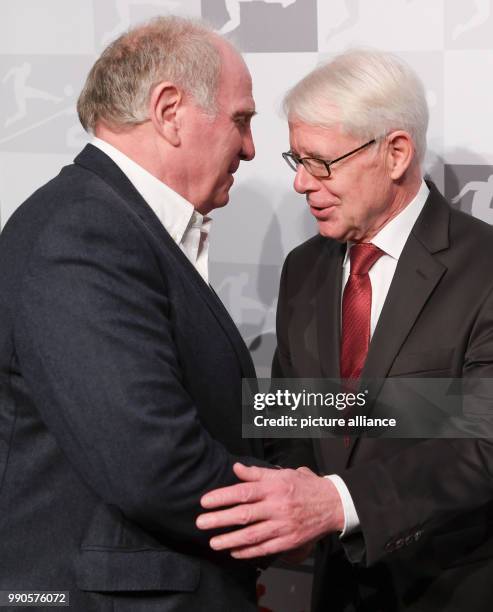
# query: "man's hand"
278,510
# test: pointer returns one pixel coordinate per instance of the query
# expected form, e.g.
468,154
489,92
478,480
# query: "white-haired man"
410,521
120,369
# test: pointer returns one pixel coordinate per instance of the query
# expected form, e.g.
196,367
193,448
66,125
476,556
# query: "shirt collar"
393,236
173,210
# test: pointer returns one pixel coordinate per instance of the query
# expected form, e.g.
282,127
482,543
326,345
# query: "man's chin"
329,229
218,202
222,201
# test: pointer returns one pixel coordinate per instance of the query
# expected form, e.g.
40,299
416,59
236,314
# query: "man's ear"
164,104
400,153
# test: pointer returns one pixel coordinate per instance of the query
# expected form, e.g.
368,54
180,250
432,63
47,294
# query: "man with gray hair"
396,284
120,369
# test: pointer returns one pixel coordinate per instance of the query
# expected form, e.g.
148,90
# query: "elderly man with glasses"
396,284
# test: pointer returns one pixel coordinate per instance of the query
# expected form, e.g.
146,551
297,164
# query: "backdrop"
47,47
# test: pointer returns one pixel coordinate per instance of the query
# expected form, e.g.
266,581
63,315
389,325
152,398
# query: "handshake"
276,511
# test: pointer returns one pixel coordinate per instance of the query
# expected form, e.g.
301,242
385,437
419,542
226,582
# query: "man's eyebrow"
308,153
312,153
244,114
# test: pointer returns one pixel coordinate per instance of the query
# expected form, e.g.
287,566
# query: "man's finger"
246,537
250,473
242,493
245,514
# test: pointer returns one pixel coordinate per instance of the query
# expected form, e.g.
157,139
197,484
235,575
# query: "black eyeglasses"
319,168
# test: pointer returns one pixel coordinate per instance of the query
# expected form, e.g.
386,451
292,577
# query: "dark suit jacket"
425,506
120,391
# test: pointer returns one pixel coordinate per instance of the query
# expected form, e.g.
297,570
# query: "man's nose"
304,181
248,147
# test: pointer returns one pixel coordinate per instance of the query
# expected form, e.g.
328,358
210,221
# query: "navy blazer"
120,403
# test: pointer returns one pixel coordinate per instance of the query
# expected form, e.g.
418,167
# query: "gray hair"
172,49
370,93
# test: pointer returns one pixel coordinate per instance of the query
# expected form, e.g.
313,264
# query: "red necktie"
356,310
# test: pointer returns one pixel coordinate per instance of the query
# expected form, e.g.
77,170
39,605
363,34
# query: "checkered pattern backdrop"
47,47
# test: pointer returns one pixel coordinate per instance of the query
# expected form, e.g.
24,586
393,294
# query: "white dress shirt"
391,240
188,228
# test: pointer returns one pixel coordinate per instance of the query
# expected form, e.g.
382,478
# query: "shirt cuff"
351,520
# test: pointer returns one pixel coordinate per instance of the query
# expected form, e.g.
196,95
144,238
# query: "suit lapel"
417,274
242,352
415,278
98,162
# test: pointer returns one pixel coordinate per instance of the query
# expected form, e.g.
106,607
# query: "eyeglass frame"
289,155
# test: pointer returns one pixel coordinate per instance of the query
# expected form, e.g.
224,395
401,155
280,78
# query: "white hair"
369,92
174,49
